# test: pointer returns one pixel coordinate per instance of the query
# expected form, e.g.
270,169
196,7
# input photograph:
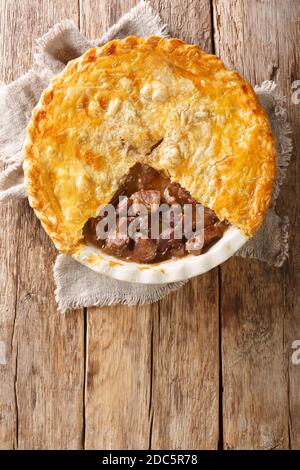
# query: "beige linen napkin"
77,286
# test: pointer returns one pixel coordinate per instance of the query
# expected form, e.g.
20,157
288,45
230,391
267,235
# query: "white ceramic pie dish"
173,270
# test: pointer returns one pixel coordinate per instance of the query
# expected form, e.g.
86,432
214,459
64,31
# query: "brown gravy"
145,185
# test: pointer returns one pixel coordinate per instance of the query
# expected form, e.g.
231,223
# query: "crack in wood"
151,430
212,21
289,416
274,72
151,369
220,393
85,361
16,443
79,15
290,424
151,410
13,340
221,419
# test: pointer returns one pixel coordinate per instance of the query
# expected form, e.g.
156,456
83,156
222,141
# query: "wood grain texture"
185,386
118,338
42,397
192,427
185,378
8,252
259,304
189,20
289,203
118,387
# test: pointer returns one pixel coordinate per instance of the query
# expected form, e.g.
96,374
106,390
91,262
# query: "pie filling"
146,195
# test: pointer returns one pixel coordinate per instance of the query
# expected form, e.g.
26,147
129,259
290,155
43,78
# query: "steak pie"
153,108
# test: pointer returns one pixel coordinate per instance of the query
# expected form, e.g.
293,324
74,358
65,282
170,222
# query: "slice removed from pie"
159,102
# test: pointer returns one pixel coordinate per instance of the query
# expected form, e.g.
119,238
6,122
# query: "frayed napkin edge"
67,301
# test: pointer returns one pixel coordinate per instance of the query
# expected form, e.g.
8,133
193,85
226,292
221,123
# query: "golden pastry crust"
110,107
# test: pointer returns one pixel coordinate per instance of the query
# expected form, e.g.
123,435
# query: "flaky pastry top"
152,100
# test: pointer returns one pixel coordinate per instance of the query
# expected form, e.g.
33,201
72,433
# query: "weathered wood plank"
259,304
118,388
42,397
8,253
185,395
155,417
97,16
185,390
288,32
118,338
8,286
190,20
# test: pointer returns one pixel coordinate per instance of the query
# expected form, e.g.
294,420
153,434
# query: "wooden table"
208,367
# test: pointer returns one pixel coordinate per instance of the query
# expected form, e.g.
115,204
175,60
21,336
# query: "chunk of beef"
116,246
195,244
208,235
122,206
164,244
138,226
149,198
177,249
148,178
118,240
212,233
191,220
168,238
174,193
90,232
209,217
144,250
145,189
